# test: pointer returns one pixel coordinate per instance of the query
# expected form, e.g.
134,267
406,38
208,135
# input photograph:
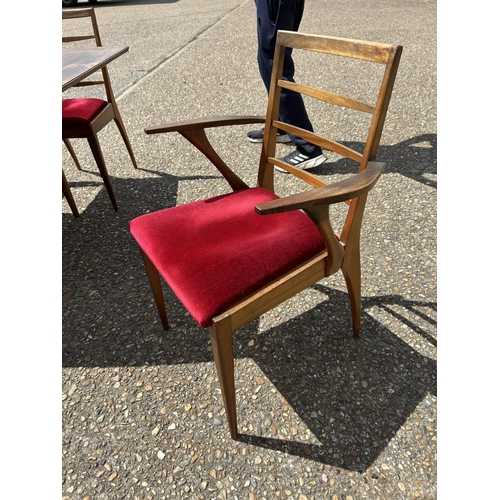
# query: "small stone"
187,407
112,476
160,455
155,431
217,421
171,427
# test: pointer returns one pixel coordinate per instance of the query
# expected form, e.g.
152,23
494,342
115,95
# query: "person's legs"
274,15
267,11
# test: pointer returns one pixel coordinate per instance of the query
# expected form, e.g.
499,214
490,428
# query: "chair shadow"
352,394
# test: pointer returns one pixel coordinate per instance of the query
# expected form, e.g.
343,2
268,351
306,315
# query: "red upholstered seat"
215,252
78,113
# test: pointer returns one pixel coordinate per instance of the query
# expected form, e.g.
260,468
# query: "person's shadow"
353,395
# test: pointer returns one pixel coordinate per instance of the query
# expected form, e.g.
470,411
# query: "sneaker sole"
314,162
280,138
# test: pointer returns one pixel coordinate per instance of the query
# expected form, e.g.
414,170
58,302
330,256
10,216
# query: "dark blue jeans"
274,15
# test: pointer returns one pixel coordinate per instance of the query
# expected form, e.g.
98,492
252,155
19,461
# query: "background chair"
84,117
233,257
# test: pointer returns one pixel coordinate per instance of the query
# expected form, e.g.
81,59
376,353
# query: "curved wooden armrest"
201,123
194,132
332,193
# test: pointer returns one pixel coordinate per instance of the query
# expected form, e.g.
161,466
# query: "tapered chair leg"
123,132
221,337
72,153
351,269
155,282
69,196
99,159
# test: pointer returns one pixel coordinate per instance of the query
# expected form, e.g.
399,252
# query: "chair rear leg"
221,337
69,196
351,269
72,153
123,132
154,281
99,159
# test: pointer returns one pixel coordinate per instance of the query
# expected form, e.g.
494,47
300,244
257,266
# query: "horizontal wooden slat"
77,38
306,176
329,97
320,141
76,13
367,51
89,83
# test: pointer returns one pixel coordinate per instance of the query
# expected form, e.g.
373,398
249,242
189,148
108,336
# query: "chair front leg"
68,195
101,165
221,337
123,132
154,281
69,147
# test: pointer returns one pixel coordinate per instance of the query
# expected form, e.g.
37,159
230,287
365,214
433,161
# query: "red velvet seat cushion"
215,252
78,113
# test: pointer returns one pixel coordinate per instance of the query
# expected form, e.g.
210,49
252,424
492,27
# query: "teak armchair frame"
105,115
340,252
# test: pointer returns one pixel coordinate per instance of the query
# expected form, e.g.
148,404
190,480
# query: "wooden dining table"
80,62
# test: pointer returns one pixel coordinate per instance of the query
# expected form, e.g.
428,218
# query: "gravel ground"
322,416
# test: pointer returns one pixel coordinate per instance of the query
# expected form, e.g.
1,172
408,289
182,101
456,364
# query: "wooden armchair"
84,117
231,258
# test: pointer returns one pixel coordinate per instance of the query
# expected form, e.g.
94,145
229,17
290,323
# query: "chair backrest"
88,33
382,62
79,14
